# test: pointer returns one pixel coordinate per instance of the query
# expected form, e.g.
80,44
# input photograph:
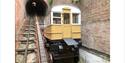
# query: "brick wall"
20,13
96,24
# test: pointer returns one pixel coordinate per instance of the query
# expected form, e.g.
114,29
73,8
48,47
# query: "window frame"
68,19
78,17
52,18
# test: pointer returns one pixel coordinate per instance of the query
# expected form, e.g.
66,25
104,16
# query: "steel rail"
28,31
27,43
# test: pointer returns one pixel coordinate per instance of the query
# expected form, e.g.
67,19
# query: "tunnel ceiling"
36,7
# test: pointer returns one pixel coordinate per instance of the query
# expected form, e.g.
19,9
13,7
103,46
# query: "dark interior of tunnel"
36,8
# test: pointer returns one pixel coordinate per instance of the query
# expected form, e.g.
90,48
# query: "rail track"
27,45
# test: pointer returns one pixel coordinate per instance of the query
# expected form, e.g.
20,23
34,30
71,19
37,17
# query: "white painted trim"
59,8
79,18
51,18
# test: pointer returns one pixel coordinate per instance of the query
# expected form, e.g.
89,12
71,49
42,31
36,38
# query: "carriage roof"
59,8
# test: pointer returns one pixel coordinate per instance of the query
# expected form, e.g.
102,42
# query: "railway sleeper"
31,31
25,39
30,41
31,57
29,35
28,51
32,23
23,45
27,28
27,25
22,50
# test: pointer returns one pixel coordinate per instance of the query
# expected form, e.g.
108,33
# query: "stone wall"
96,24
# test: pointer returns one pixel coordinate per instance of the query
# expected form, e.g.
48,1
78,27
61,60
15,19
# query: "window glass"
56,18
56,21
56,14
66,19
75,18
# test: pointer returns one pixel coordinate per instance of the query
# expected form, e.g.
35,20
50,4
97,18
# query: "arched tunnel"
36,8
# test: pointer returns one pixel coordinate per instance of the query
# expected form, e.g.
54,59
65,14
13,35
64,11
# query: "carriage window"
56,14
56,18
75,18
66,17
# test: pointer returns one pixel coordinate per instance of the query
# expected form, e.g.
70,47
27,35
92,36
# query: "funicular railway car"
63,34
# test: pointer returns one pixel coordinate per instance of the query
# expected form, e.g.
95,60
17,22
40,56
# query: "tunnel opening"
36,8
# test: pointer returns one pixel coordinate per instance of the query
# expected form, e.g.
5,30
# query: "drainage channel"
27,48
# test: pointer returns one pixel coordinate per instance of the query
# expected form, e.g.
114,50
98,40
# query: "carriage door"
66,23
